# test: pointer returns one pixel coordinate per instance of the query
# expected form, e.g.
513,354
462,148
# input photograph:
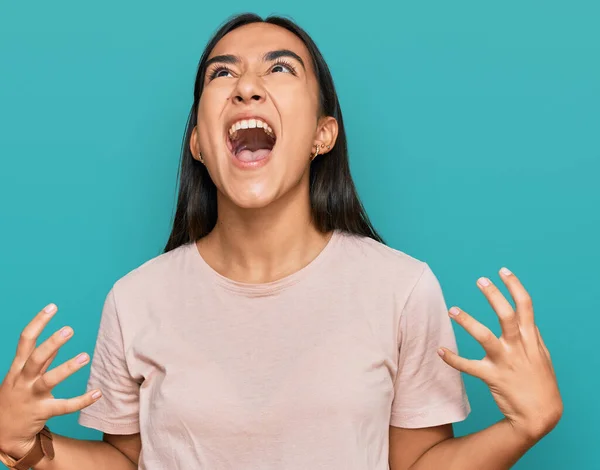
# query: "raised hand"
517,366
26,400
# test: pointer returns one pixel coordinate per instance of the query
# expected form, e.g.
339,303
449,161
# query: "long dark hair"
334,201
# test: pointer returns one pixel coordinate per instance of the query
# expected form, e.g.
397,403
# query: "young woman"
277,331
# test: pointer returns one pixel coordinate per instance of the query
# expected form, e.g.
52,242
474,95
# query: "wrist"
24,456
532,432
18,451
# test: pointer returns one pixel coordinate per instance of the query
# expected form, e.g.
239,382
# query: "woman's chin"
251,197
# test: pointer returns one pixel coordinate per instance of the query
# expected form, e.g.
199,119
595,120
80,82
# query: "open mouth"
250,140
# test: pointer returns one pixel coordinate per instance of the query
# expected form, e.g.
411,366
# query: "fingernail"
66,332
97,394
441,352
50,309
454,311
505,272
82,358
483,282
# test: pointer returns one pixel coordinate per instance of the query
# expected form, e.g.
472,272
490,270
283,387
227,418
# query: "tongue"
252,155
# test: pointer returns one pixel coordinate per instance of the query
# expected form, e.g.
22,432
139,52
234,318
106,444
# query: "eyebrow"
274,55
268,57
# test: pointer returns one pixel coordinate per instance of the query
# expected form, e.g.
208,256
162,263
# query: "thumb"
468,366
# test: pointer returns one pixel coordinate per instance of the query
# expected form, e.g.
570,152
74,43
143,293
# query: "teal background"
473,130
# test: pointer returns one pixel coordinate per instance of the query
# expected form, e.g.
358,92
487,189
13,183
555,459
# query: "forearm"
495,448
73,454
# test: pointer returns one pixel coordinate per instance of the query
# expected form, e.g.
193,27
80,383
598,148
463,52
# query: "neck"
266,244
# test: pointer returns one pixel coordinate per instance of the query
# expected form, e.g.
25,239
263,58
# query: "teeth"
251,124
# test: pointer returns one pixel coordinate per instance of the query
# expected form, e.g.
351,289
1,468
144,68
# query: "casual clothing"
304,373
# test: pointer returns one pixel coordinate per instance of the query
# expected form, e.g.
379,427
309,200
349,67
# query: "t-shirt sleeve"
117,412
427,391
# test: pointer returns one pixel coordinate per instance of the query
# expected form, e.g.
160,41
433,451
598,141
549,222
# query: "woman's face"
260,76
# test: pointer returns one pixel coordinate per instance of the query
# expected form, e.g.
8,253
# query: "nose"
248,89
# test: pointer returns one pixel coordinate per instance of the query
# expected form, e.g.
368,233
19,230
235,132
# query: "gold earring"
200,158
317,152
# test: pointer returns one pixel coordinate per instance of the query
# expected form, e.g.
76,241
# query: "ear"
194,144
327,132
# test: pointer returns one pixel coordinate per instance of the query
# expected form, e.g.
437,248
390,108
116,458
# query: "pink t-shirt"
304,373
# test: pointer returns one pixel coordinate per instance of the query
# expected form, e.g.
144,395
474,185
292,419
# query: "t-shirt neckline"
267,288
